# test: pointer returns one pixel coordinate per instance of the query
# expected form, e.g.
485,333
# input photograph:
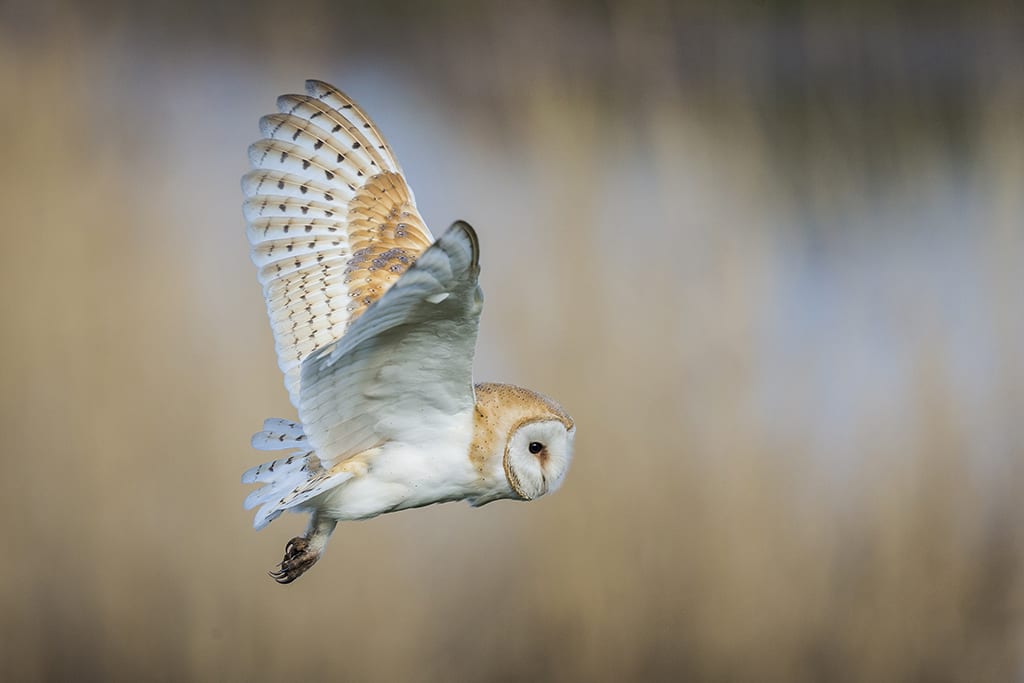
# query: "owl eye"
536,447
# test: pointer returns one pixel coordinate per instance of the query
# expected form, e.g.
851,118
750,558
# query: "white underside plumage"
407,475
399,475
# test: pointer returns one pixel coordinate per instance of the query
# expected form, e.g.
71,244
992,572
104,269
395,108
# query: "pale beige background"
771,259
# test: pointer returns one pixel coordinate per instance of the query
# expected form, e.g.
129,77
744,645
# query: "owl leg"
302,552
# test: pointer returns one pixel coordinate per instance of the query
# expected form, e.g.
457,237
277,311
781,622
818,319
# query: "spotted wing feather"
331,221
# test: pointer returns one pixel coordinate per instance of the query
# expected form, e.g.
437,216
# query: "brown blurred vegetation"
770,256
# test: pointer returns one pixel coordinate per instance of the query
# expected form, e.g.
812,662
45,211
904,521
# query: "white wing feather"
405,362
331,221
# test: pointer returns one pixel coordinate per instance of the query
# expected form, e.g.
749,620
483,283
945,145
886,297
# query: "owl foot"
299,556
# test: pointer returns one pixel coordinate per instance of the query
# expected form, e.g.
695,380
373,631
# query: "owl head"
523,443
537,456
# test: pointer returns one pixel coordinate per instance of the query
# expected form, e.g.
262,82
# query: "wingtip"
470,234
315,87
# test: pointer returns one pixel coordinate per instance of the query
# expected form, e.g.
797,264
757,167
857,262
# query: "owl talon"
296,546
298,558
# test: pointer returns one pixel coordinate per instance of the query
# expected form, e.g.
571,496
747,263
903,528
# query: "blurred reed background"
770,256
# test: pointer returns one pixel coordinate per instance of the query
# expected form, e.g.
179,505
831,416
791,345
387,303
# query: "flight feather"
331,221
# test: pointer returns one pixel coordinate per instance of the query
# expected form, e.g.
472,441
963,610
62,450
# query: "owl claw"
298,558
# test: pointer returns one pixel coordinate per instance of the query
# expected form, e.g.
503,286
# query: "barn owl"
375,325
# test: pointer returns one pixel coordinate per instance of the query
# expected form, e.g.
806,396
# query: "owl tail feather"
282,476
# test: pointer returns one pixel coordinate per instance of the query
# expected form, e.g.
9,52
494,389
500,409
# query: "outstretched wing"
332,223
404,369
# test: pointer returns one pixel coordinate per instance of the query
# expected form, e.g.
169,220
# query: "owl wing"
404,368
332,223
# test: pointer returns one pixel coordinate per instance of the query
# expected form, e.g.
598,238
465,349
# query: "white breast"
434,469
